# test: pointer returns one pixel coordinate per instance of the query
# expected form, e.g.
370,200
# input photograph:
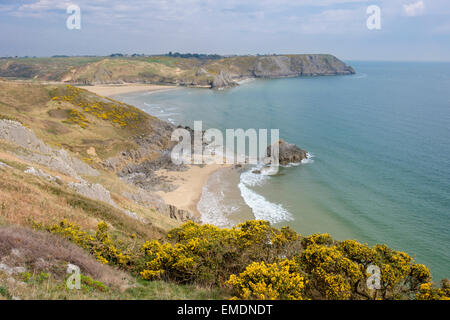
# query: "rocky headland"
165,70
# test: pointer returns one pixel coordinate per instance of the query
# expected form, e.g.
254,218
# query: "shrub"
261,281
5,293
88,284
101,245
247,254
428,292
258,261
209,255
338,270
117,112
25,276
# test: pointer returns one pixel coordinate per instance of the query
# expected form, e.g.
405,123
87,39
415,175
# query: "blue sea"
379,142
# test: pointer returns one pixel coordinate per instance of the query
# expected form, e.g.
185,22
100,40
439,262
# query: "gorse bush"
117,112
261,281
428,292
257,261
209,255
327,269
100,245
339,270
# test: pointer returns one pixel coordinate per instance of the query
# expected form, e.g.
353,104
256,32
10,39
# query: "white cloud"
228,16
337,21
414,9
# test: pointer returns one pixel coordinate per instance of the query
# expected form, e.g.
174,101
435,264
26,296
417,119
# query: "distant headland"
191,70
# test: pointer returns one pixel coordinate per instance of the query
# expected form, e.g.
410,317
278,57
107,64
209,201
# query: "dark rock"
181,215
288,153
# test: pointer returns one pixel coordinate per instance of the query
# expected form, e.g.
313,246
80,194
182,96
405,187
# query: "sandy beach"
190,182
190,185
115,89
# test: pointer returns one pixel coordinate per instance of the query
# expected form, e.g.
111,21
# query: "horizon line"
209,54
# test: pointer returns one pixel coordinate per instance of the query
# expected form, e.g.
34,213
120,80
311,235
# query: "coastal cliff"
280,66
193,72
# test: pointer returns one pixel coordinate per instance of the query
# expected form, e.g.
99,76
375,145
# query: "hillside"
215,73
83,136
61,152
78,187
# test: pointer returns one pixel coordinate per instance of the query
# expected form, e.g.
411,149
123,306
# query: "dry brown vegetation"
42,109
44,252
25,198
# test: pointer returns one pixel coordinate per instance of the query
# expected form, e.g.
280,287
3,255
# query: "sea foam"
213,207
261,207
309,159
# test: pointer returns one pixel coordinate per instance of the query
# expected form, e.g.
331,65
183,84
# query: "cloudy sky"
410,29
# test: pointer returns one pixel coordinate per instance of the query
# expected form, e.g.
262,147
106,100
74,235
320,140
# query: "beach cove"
363,180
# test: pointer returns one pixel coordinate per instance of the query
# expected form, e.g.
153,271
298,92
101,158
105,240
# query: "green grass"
4,292
150,290
49,288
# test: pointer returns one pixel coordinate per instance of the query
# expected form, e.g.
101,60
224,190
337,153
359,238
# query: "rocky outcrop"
93,191
201,72
35,150
279,66
42,174
11,270
181,215
4,165
96,191
223,80
299,65
144,175
146,199
271,67
288,153
153,201
151,146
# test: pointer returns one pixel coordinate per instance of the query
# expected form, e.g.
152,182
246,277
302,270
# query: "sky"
411,30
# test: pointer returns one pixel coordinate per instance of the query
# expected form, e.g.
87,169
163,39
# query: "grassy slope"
33,106
50,69
154,69
25,198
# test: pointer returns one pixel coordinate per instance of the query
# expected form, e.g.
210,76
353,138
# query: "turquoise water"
380,141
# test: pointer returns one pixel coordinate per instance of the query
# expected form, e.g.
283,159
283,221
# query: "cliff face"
226,72
281,66
300,65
